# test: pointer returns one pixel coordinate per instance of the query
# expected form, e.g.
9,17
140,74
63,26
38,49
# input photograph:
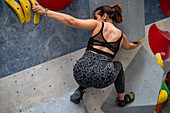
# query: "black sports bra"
99,40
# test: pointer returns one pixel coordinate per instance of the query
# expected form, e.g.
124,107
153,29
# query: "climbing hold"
55,5
163,96
167,80
36,15
18,9
26,6
141,40
159,59
164,87
159,41
165,7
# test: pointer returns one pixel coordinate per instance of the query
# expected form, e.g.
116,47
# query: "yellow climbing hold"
141,40
36,15
159,59
27,9
163,96
17,8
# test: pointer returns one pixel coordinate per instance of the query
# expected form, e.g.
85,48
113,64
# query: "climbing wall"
133,16
25,45
39,84
144,77
60,105
36,61
153,11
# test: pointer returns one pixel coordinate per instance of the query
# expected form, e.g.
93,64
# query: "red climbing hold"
165,7
159,41
55,5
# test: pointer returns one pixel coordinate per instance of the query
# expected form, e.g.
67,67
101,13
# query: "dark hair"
114,12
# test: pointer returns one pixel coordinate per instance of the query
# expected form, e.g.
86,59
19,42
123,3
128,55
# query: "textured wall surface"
59,105
26,45
132,14
144,78
153,12
52,79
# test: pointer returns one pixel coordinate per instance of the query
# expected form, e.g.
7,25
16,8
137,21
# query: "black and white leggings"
93,70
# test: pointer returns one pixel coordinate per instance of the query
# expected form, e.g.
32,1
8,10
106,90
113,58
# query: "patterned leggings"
93,70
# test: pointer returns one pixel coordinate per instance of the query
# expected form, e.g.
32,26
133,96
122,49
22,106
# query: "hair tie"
113,9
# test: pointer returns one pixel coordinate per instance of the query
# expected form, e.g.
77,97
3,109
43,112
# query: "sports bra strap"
99,40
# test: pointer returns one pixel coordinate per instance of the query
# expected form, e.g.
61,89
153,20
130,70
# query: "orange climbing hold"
159,41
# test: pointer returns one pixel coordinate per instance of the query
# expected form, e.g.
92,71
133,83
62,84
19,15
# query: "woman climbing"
96,68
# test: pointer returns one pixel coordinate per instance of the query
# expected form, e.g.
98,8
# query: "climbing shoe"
77,95
129,98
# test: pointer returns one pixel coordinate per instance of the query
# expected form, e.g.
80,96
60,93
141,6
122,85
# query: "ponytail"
114,12
118,13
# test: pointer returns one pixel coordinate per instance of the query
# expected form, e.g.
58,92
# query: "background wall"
153,12
36,61
26,45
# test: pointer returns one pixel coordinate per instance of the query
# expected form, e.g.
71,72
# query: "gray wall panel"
133,25
59,105
144,77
